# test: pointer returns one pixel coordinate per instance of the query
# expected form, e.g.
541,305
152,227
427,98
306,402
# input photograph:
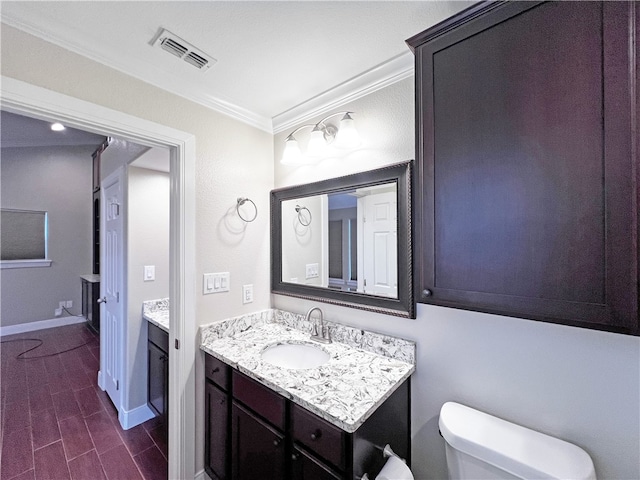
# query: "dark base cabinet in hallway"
527,162
158,372
253,432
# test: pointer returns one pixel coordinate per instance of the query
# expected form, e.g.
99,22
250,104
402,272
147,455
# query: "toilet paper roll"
395,469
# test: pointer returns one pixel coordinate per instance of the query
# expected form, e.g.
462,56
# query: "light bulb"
317,143
291,154
347,136
57,127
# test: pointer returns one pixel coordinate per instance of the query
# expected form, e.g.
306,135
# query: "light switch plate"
215,283
149,273
312,270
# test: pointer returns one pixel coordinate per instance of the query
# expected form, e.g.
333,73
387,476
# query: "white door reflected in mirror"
352,239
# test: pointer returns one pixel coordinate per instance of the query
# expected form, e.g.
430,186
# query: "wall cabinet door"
158,379
217,432
258,450
527,162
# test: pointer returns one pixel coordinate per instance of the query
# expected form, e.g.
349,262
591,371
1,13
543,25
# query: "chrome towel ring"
245,217
304,219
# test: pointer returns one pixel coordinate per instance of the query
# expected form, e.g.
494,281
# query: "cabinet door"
258,450
527,162
157,383
305,467
217,432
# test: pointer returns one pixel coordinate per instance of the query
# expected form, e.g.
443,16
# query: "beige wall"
576,384
56,180
147,244
232,160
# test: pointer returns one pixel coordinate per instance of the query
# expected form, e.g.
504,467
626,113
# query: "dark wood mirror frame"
404,305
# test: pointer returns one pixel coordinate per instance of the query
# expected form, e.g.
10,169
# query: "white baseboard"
40,325
132,418
202,475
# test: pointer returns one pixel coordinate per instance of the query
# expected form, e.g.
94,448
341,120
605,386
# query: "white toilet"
482,447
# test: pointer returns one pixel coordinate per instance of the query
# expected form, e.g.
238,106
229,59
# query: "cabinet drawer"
318,435
216,371
159,337
259,398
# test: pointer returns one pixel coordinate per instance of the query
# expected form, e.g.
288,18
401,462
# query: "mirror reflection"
344,241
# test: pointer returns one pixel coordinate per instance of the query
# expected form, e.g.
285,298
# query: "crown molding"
396,69
134,69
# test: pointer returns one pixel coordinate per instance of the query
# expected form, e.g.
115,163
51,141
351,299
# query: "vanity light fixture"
57,127
322,134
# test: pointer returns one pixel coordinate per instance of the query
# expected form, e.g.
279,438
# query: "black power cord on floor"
21,356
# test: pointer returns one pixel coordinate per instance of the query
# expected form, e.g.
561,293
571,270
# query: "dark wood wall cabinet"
527,172
253,432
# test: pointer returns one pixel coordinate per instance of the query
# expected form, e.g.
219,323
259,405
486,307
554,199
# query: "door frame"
26,99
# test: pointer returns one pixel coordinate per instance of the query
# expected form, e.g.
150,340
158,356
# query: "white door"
379,245
111,278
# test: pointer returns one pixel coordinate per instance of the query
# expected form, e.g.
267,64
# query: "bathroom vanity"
325,422
156,312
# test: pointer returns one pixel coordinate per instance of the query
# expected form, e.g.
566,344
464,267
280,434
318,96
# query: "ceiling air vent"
173,44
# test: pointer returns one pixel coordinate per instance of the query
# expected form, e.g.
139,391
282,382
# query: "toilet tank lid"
518,450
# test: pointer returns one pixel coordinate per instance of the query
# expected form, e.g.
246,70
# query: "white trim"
23,98
385,74
140,71
138,415
25,263
40,325
202,475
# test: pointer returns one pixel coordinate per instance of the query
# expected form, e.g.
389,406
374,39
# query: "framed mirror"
346,241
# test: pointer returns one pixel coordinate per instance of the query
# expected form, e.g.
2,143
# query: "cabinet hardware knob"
215,370
427,293
294,456
276,443
222,401
102,300
316,435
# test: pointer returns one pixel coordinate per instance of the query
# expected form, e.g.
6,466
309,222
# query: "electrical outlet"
61,304
58,311
68,304
247,293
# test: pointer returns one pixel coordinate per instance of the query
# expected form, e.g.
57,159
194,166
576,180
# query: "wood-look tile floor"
56,423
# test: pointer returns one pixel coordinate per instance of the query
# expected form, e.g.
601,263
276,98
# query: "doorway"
25,99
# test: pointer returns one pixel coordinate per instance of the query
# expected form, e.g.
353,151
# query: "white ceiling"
274,58
20,131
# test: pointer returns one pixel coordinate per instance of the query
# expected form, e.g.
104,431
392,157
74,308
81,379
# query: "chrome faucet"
323,335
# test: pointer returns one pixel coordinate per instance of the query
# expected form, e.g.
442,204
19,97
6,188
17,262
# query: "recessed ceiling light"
57,127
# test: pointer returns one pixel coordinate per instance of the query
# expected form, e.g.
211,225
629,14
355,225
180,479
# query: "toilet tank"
481,446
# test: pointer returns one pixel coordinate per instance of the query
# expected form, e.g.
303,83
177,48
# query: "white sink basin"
295,355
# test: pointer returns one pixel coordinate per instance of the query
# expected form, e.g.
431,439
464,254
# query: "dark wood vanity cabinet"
217,441
253,432
527,171
158,371
258,449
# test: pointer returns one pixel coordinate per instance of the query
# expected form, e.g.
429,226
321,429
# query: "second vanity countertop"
157,312
364,368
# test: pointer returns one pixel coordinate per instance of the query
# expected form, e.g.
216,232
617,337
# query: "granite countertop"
364,368
91,277
157,312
